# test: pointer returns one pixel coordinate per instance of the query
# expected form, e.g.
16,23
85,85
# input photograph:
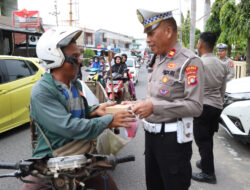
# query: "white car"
235,117
133,69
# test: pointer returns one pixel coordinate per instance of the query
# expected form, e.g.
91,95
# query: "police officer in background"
174,91
206,124
222,52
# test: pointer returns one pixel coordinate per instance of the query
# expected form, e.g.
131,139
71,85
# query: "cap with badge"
150,20
221,46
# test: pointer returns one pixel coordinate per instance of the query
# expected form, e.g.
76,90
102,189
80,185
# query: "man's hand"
121,118
127,103
143,109
100,111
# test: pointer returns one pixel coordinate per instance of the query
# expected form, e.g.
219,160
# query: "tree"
213,23
226,18
2,9
240,27
232,24
186,31
88,53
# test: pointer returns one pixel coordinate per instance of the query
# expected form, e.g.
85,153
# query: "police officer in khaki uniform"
174,91
206,124
222,52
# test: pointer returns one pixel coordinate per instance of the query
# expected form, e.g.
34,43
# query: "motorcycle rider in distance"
58,106
124,58
102,61
96,64
130,77
121,68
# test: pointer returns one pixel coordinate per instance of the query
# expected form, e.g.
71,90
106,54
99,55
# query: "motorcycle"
93,74
64,173
118,81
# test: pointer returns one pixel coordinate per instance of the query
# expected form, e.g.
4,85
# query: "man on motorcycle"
58,106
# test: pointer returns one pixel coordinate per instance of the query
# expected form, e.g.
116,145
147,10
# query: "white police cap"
221,46
150,20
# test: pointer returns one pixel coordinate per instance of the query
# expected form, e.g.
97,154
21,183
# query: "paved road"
232,158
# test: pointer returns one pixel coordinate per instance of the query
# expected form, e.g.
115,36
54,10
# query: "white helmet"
49,46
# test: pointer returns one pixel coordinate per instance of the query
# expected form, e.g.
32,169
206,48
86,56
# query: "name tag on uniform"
185,130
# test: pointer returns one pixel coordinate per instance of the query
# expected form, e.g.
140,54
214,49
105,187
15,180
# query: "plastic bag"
89,95
110,143
131,132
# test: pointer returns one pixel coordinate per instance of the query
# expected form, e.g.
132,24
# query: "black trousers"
204,128
167,162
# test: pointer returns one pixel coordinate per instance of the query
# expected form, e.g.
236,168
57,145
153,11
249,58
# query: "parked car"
17,76
235,117
133,69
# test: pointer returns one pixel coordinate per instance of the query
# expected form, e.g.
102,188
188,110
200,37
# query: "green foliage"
186,31
2,8
226,18
88,53
213,23
240,26
232,24
197,36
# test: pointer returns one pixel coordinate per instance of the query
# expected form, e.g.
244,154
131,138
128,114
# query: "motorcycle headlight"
231,98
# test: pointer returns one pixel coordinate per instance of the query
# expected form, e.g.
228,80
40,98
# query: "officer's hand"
100,111
121,118
143,109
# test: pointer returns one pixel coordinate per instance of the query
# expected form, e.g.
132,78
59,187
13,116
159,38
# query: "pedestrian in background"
206,124
222,52
174,93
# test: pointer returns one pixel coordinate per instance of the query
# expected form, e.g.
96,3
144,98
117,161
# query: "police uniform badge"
171,65
140,17
150,20
165,79
163,92
171,53
191,72
192,80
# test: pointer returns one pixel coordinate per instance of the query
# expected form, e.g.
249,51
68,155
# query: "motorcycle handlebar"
9,166
128,158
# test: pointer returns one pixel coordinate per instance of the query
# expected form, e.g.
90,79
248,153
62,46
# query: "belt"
157,127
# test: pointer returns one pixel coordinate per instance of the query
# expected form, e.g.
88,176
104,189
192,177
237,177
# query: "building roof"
6,24
104,30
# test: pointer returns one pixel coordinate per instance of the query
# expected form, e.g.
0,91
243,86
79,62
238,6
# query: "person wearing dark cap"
222,52
208,122
174,97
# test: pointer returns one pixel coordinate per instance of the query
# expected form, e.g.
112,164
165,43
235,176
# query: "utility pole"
192,27
180,31
55,13
70,12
